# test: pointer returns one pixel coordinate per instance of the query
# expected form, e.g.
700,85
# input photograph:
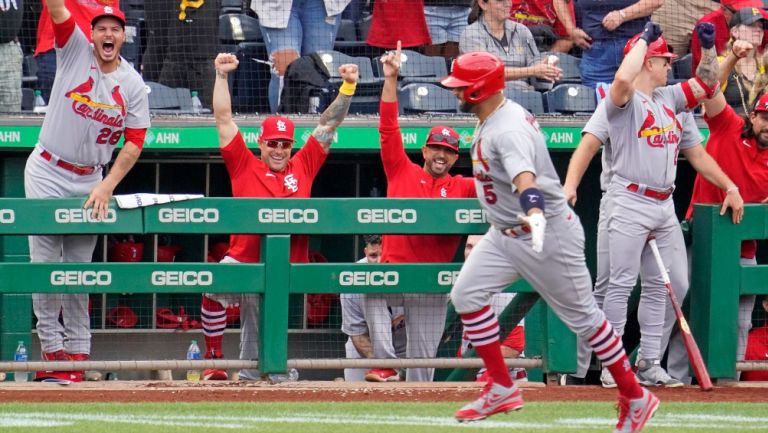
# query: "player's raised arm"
222,101
623,86
390,62
704,84
337,111
58,11
715,105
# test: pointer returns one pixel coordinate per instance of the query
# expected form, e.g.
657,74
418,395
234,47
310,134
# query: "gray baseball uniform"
599,127
645,136
87,113
353,323
507,144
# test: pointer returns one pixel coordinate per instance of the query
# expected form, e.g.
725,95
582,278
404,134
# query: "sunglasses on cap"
442,138
275,144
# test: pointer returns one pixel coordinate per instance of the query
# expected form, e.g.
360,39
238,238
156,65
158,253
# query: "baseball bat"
694,355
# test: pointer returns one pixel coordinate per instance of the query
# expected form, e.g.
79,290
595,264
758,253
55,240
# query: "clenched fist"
225,63
349,73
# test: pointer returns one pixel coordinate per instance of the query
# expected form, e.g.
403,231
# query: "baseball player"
353,324
514,344
519,189
424,313
96,99
645,141
274,174
740,147
595,133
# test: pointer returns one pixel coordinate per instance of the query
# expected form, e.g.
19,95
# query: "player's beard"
762,138
467,107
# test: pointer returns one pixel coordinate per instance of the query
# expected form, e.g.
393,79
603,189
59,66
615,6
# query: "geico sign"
307,216
447,278
469,216
7,216
396,216
375,278
191,215
69,216
81,278
182,278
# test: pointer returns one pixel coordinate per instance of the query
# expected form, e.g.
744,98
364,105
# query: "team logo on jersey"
443,192
84,106
291,182
659,136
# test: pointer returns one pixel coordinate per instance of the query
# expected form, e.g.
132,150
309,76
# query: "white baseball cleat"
494,399
633,414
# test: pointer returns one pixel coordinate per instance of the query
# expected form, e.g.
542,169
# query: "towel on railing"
132,201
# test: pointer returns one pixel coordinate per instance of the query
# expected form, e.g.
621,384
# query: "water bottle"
197,106
21,356
291,376
40,106
193,354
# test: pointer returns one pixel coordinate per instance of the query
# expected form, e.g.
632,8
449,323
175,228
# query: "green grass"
404,417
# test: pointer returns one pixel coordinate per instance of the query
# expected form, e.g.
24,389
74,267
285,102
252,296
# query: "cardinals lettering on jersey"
84,106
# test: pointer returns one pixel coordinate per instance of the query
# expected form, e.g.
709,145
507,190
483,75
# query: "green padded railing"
275,279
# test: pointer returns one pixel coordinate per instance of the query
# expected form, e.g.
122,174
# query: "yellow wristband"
348,88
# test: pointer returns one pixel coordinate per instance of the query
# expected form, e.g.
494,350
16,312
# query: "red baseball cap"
443,136
657,48
277,128
761,104
109,11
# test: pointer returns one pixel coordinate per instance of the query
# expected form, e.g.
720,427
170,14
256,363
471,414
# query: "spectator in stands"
554,14
514,344
491,30
446,20
757,349
293,28
743,79
83,11
609,24
721,19
10,56
398,20
678,18
182,37
353,324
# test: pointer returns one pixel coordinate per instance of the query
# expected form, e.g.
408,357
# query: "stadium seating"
422,98
29,71
164,99
236,28
418,68
529,99
27,99
571,99
231,6
348,40
683,67
366,100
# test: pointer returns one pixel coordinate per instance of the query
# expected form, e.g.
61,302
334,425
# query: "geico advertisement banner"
359,278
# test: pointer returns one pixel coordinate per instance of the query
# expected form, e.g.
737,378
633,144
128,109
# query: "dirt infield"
138,391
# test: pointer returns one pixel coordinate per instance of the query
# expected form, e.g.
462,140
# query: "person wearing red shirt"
757,349
274,175
720,19
424,313
740,147
83,11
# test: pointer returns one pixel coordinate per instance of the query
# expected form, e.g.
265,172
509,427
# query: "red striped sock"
482,329
214,321
609,349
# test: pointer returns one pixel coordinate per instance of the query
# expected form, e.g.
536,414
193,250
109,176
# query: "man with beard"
96,99
424,313
520,191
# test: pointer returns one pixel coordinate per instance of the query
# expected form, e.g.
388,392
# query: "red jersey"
252,177
757,350
82,10
538,12
395,20
408,180
741,159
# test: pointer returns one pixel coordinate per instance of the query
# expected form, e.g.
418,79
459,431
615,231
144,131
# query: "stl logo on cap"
281,126
446,132
108,10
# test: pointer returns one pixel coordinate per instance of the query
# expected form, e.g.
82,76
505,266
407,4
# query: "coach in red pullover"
424,313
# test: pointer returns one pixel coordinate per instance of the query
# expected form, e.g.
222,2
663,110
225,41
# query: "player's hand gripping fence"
694,355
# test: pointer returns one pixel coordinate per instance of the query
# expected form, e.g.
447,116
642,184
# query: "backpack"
305,86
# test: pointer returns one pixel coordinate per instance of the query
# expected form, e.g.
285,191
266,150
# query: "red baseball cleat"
382,375
214,373
494,399
633,414
59,355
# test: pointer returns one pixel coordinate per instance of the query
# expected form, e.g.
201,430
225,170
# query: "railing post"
714,289
273,321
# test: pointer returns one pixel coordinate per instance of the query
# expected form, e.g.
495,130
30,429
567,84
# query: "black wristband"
531,198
